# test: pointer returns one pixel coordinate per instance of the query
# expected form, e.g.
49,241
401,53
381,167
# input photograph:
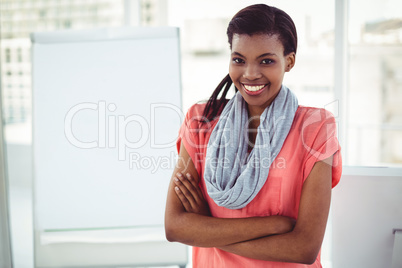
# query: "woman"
252,186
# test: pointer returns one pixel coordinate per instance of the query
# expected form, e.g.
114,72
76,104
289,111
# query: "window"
311,78
316,88
67,24
42,13
19,54
372,115
8,55
374,121
20,17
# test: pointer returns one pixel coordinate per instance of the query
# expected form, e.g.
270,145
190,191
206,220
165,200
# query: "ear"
290,61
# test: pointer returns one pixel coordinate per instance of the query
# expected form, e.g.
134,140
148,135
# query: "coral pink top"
311,138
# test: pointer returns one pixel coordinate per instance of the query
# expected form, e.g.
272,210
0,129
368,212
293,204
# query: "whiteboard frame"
104,34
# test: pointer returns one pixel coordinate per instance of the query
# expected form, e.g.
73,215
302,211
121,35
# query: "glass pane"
18,18
205,50
374,120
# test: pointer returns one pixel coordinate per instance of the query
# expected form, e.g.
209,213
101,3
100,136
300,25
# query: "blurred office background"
365,96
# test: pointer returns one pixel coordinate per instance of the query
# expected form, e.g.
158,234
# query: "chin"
261,100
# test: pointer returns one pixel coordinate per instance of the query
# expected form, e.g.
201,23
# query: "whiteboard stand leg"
397,251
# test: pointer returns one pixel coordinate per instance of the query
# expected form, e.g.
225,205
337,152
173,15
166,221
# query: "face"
257,68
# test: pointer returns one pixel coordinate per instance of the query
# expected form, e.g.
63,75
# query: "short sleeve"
319,138
189,133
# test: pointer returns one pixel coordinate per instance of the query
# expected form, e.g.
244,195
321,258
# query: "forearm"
187,217
203,231
187,221
303,243
289,247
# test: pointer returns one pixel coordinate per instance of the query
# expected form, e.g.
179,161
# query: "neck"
253,123
254,112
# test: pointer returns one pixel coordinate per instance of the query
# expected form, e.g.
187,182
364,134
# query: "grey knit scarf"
234,176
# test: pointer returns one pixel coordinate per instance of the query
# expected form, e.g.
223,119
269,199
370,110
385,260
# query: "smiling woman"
228,197
257,69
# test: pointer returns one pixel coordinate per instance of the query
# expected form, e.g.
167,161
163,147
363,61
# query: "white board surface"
366,209
106,115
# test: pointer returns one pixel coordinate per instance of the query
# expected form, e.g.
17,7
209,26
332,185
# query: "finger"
187,183
195,184
183,185
195,192
186,204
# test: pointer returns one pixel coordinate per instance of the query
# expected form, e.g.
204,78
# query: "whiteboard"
106,115
366,208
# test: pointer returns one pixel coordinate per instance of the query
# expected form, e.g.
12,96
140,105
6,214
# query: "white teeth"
253,88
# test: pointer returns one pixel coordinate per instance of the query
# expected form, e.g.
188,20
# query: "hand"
190,195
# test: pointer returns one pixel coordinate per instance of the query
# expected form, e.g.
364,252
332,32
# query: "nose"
252,72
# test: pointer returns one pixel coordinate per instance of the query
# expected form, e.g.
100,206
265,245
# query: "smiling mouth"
254,89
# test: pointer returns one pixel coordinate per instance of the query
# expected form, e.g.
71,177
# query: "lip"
254,93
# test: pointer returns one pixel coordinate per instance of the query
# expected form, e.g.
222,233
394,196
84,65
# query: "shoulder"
196,114
310,118
196,110
195,120
313,113
316,129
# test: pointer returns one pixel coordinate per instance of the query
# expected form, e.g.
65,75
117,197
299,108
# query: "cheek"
234,73
276,74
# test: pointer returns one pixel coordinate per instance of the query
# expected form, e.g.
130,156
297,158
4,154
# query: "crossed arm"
272,238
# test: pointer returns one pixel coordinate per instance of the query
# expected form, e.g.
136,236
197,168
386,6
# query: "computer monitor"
366,214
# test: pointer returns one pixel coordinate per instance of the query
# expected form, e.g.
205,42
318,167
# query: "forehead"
257,44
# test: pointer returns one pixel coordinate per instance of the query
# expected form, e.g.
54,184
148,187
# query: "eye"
267,61
238,60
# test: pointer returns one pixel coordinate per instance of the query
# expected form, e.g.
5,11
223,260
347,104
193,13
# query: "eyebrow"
261,56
